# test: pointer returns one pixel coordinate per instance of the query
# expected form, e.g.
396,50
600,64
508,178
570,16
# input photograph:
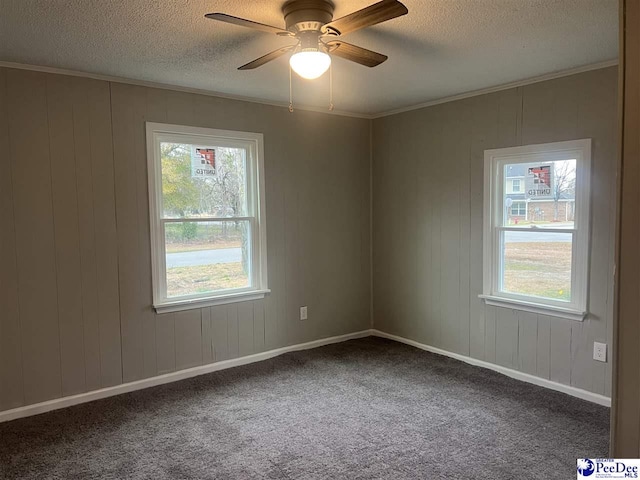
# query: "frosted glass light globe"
310,64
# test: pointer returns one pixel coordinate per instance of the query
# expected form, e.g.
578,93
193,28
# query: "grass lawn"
205,278
542,269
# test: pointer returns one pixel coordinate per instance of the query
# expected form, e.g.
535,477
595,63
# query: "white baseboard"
509,372
64,402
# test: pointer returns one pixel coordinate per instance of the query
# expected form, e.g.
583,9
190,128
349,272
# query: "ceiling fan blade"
371,15
223,17
258,62
354,53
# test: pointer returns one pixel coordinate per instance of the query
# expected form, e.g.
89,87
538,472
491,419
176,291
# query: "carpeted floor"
368,408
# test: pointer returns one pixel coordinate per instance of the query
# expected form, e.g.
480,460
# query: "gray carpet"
368,408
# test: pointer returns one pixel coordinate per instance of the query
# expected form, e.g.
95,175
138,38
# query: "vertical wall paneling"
60,114
35,241
435,220
106,237
438,304
258,326
145,110
305,214
463,174
276,309
126,185
233,340
455,148
81,222
599,99
155,111
510,112
420,240
145,315
207,340
275,174
560,356
581,352
11,378
490,315
507,337
166,343
538,107
179,108
291,293
484,133
380,260
188,328
86,232
245,329
527,342
219,333
543,346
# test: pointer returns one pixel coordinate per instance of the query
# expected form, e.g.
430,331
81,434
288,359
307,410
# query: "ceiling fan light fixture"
310,63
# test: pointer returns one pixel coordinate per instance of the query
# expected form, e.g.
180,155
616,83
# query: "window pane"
204,181
203,257
537,264
519,209
541,193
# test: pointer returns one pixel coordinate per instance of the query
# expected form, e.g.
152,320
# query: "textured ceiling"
441,48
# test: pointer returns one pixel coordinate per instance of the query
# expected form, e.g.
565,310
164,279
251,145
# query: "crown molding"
498,88
431,103
164,86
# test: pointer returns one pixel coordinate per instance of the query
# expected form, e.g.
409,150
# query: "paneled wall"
75,272
427,225
625,438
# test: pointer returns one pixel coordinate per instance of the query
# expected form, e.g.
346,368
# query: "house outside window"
207,212
536,241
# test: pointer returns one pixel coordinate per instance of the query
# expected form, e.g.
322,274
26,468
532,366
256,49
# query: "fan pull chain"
330,88
290,92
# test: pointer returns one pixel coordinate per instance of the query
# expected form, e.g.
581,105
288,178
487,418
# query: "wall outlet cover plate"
600,351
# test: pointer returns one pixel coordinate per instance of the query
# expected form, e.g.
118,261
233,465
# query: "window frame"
158,133
494,161
524,208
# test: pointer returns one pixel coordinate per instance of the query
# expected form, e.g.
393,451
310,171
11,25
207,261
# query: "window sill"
179,305
532,307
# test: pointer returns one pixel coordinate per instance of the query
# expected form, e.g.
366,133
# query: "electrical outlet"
303,313
600,351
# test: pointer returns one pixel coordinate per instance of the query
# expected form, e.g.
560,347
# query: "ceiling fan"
311,23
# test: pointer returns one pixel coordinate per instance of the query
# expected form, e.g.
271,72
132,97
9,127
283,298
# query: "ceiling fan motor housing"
311,23
307,15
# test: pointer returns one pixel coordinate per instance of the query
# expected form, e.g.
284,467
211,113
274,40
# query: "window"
206,198
538,263
519,209
515,186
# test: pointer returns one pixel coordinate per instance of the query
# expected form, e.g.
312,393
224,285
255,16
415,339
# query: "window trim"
519,202
494,159
256,214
